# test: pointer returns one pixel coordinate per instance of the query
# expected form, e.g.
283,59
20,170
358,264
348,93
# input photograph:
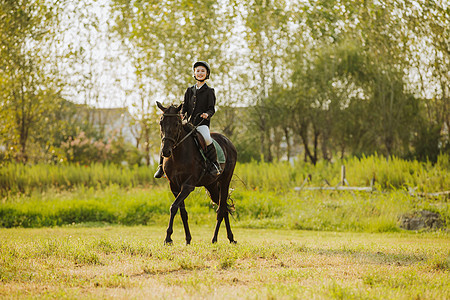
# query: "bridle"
175,141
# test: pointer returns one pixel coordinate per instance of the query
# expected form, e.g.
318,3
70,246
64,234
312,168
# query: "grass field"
132,263
96,232
342,211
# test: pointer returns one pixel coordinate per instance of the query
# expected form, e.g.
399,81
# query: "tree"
334,76
27,87
427,48
357,66
163,39
266,35
168,36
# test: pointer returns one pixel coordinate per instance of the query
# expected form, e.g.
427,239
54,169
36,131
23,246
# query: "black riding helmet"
204,64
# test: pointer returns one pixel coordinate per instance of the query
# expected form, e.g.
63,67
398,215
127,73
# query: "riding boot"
211,155
160,172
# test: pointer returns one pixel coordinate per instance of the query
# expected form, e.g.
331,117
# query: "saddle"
201,144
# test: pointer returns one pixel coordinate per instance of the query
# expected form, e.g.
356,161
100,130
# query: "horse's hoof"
214,241
233,242
168,243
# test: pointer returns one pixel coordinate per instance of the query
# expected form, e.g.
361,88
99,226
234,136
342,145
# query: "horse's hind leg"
229,233
216,230
214,193
226,212
223,214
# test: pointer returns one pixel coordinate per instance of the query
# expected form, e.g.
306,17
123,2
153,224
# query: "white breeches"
204,131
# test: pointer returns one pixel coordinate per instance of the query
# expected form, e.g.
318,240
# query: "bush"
112,206
394,174
18,178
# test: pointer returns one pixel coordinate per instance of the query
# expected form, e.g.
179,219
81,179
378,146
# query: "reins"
177,143
187,135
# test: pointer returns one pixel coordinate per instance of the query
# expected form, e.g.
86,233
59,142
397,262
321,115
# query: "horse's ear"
161,107
179,107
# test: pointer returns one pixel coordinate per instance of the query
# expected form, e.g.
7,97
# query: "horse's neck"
182,152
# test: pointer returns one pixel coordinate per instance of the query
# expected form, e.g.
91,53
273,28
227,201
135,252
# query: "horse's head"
170,127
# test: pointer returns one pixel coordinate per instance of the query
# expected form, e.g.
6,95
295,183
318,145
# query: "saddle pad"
220,154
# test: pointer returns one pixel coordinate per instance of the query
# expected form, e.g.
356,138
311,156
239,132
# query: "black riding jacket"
197,102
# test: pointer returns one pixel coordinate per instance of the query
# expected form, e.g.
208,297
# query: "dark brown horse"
184,167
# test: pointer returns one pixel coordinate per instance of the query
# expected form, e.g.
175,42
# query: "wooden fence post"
343,178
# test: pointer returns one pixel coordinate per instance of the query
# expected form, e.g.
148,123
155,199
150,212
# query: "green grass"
353,247
56,195
307,210
132,262
389,174
26,179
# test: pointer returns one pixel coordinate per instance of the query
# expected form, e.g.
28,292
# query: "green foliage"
28,88
426,143
155,30
322,77
111,206
325,211
262,195
393,173
258,205
17,178
81,149
398,173
339,99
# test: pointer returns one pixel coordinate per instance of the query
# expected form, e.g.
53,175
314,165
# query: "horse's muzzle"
168,143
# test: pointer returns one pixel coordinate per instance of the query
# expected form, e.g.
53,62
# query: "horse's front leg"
178,203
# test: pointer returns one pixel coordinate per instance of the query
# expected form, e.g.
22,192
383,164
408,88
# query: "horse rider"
198,108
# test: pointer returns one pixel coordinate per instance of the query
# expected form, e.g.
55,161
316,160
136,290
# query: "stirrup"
216,171
159,173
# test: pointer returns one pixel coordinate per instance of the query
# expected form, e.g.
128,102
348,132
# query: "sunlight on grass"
133,262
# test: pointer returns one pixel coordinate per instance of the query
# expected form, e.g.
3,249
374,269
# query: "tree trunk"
316,142
288,143
304,136
147,145
325,141
269,144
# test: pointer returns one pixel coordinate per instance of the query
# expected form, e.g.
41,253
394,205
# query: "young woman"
198,108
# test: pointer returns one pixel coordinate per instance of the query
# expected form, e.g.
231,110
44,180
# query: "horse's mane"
188,127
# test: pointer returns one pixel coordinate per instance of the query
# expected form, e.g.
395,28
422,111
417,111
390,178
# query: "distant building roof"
114,121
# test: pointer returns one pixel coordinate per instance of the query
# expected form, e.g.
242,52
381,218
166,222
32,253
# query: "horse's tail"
230,204
231,209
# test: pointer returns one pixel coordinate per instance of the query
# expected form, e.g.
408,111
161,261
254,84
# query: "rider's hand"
204,115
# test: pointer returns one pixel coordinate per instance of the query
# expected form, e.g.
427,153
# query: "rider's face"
200,73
